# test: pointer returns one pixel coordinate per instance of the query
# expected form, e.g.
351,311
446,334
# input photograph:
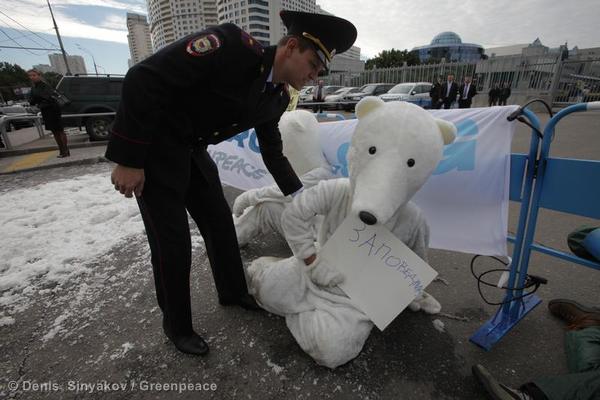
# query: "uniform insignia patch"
203,45
252,43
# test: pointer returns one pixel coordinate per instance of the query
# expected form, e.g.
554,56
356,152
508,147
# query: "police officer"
201,90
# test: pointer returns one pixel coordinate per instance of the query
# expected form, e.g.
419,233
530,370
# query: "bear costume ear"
366,105
448,130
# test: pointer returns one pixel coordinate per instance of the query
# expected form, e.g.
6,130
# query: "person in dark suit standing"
449,91
466,93
504,94
318,96
493,95
436,94
200,90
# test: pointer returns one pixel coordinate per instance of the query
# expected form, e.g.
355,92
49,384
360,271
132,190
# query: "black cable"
519,111
17,43
531,280
27,29
537,131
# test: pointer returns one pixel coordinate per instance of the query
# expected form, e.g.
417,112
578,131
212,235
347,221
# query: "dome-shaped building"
449,46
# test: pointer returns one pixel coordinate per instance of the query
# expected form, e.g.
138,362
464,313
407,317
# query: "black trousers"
464,103
169,192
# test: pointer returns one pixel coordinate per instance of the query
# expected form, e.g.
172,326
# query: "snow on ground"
53,232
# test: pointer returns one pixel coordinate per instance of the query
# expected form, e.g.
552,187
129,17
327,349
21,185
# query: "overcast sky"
99,25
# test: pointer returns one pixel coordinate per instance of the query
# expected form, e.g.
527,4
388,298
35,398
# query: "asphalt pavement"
112,345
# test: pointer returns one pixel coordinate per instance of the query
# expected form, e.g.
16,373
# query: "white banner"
465,201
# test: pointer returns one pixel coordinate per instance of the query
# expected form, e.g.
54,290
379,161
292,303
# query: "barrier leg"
514,307
494,329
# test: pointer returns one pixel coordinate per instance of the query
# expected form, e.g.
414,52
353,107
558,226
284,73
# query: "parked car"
305,94
91,94
338,97
417,93
15,110
370,89
327,90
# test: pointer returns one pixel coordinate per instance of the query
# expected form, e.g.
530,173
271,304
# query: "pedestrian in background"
436,94
504,94
318,96
449,92
493,95
42,96
466,93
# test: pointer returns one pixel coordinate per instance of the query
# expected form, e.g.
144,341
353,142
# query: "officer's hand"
128,180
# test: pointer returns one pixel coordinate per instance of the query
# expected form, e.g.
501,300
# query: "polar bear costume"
394,150
258,211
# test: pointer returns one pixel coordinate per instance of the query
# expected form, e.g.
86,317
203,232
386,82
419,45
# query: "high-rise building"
260,18
76,64
43,68
138,36
173,19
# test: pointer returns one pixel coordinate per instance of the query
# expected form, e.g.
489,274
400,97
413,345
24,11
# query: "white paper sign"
382,275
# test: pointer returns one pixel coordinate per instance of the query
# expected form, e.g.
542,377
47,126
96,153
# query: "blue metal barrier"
565,185
334,116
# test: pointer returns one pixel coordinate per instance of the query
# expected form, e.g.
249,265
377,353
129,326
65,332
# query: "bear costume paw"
426,303
324,275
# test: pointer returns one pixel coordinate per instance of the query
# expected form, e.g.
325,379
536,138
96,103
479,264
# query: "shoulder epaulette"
252,43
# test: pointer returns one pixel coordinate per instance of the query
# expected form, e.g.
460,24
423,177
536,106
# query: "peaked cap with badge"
328,34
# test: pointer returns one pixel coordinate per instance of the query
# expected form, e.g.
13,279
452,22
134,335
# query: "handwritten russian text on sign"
382,275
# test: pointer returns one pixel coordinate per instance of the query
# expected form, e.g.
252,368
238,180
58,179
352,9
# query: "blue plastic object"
565,185
494,329
592,243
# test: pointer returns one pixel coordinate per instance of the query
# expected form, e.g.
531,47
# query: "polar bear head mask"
395,148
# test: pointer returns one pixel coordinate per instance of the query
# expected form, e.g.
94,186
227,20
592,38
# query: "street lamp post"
91,55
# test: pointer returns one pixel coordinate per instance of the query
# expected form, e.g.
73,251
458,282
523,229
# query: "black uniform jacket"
203,89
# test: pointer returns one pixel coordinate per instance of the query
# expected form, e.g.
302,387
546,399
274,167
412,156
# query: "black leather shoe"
192,344
246,301
189,344
494,389
570,311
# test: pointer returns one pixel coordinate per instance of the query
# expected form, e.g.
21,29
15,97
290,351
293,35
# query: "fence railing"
37,121
560,82
6,119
